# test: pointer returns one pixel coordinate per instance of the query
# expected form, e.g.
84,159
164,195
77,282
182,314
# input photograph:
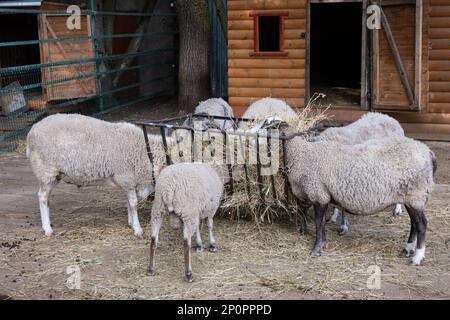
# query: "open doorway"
335,52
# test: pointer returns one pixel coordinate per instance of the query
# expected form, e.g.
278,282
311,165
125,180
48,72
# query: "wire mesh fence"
54,58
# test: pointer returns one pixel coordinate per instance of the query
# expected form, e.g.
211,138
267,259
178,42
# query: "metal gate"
51,61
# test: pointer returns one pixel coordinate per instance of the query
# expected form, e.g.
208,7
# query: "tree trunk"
195,33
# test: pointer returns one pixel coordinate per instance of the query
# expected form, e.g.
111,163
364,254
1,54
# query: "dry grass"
253,261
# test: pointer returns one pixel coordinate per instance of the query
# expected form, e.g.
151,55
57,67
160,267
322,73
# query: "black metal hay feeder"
165,126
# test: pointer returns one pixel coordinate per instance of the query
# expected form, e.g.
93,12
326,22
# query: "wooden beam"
418,54
363,100
398,60
220,11
397,2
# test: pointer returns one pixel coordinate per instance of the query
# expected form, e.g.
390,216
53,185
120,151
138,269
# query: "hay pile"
246,200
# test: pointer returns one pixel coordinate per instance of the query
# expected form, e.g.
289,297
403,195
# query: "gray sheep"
364,179
189,192
372,125
86,151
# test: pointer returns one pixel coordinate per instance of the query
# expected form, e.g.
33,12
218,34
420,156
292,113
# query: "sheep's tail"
174,219
434,162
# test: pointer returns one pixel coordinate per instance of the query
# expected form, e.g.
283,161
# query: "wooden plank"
363,99
440,11
75,68
245,14
246,101
418,55
266,92
398,60
440,33
439,76
441,65
266,73
245,54
439,54
439,22
265,83
265,63
439,86
248,44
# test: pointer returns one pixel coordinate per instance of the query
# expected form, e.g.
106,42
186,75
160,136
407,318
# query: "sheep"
364,179
267,108
85,151
372,125
189,192
217,107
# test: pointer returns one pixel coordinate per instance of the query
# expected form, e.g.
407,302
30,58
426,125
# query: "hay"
244,204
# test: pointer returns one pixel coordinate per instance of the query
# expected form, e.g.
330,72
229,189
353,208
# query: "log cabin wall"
439,56
253,77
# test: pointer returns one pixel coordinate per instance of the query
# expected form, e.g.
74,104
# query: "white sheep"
266,108
189,192
217,107
86,151
364,179
372,125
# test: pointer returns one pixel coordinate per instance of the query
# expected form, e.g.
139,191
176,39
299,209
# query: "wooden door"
54,27
396,56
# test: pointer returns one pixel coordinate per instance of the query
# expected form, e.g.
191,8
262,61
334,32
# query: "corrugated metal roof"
25,3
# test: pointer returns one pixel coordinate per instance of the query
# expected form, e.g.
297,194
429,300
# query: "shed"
390,55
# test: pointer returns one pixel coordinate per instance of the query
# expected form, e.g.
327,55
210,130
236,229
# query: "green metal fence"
23,98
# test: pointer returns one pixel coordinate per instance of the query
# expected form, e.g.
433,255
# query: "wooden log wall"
439,56
251,78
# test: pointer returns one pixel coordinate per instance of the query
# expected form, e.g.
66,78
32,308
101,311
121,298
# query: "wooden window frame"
265,54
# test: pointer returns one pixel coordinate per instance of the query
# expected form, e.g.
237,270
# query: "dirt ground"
268,261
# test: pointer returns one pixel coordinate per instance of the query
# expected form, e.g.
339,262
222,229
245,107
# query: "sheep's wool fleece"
364,178
191,190
216,107
269,107
84,150
372,125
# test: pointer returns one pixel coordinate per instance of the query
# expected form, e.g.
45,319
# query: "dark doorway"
335,52
19,27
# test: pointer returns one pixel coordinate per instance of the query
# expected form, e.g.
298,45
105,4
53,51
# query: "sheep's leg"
301,213
412,241
335,215
130,215
420,222
320,219
43,195
133,203
198,239
156,226
212,240
398,210
343,229
187,254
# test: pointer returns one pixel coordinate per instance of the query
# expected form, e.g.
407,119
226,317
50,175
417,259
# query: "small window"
268,34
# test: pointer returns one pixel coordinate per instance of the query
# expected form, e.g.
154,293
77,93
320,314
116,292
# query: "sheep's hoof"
405,253
139,233
48,232
315,253
199,248
151,272
189,277
343,230
212,248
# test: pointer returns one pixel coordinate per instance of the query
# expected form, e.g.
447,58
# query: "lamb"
189,192
372,125
364,179
268,108
86,151
217,107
